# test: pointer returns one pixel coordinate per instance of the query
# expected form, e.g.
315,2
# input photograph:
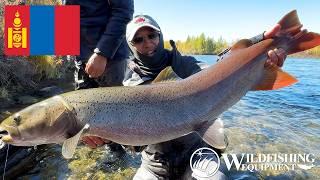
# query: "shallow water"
282,121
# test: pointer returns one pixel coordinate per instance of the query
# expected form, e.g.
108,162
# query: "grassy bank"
315,52
23,75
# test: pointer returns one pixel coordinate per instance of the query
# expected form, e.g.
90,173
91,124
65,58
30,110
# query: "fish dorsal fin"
290,23
241,44
274,78
166,75
69,146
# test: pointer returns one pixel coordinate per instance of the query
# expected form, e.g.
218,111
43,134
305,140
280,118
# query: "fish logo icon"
204,163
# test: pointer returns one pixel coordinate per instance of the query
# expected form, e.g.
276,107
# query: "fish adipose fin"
213,134
166,75
69,146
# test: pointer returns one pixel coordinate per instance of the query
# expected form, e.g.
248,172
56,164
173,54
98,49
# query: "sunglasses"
139,40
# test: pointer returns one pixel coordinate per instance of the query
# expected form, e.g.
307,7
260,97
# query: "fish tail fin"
274,78
213,134
303,41
290,23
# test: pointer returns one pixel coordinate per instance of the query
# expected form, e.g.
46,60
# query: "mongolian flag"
42,30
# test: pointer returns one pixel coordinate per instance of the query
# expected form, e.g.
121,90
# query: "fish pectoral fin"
69,146
213,134
274,78
166,75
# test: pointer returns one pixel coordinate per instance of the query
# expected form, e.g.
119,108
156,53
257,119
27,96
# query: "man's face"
146,40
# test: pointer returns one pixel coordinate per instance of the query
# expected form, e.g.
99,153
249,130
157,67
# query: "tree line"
201,44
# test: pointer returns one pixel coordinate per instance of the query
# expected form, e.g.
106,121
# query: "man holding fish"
168,160
161,112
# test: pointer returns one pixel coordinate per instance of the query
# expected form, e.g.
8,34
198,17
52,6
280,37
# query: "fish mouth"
5,136
3,132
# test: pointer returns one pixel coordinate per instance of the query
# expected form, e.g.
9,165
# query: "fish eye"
17,118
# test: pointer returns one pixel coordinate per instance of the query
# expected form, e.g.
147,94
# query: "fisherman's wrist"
100,53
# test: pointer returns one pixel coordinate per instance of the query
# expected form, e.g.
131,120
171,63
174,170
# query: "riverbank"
304,55
24,76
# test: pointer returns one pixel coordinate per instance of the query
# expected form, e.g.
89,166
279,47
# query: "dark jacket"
103,25
183,66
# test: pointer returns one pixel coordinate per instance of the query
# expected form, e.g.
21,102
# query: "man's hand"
94,141
96,65
272,32
276,56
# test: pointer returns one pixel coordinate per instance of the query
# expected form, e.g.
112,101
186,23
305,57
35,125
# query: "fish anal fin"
274,78
166,75
213,134
69,146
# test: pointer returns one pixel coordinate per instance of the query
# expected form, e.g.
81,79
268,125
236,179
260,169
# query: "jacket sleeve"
185,66
121,12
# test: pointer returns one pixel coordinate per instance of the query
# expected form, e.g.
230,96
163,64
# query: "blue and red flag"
42,30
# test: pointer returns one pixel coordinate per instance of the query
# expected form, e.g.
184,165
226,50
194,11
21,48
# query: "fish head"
46,122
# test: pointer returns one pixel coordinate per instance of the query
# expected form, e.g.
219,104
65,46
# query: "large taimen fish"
150,114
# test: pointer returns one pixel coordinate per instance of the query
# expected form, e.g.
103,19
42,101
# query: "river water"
282,121
285,121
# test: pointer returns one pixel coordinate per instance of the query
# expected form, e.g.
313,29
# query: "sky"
230,19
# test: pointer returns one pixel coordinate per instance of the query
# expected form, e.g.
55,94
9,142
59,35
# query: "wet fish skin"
149,114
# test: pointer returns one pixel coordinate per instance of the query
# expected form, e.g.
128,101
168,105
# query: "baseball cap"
139,22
